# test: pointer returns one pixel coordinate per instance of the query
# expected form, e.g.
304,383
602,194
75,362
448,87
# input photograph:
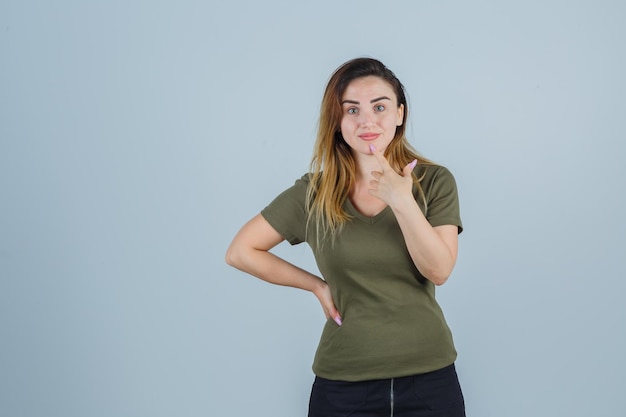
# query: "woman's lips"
369,136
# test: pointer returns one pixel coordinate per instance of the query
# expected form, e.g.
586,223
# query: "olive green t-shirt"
392,324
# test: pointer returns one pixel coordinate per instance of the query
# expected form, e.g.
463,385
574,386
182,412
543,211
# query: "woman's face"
370,114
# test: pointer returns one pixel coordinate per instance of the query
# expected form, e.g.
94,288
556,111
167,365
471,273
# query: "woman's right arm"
250,252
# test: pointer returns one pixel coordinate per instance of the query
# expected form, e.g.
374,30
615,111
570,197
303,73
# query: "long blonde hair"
333,168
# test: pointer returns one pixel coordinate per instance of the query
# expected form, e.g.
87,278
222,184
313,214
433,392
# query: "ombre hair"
333,168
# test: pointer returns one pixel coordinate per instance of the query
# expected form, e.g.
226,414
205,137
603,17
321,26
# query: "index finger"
379,157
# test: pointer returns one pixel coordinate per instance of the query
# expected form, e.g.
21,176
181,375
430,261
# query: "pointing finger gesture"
387,184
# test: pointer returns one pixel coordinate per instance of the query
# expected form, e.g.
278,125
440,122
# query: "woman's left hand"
387,184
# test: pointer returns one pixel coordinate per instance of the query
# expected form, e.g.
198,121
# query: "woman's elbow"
437,276
438,281
233,256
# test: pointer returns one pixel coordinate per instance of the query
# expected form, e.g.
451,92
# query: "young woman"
383,224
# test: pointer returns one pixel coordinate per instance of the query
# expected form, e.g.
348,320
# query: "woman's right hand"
325,298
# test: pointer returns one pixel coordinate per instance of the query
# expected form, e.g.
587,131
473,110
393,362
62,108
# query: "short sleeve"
287,212
442,197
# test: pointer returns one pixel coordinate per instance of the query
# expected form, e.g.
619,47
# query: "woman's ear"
400,115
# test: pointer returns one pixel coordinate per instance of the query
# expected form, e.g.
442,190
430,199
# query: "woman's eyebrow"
371,101
380,98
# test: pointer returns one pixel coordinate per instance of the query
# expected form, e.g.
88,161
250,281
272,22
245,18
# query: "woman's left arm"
432,249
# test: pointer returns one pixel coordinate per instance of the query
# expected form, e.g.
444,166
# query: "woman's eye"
352,110
380,107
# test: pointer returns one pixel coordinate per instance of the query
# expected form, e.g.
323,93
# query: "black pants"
434,394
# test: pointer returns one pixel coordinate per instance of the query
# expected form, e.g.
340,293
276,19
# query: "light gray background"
137,137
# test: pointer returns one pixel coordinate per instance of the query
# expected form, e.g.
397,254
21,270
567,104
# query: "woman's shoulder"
430,172
299,187
305,178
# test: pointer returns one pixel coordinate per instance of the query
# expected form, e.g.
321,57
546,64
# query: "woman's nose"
366,118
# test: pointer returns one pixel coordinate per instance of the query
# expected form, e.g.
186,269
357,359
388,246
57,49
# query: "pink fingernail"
413,163
372,148
338,321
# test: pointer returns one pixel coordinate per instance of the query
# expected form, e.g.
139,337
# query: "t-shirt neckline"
366,219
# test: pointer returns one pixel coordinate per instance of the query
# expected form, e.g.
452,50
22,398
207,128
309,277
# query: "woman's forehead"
369,86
